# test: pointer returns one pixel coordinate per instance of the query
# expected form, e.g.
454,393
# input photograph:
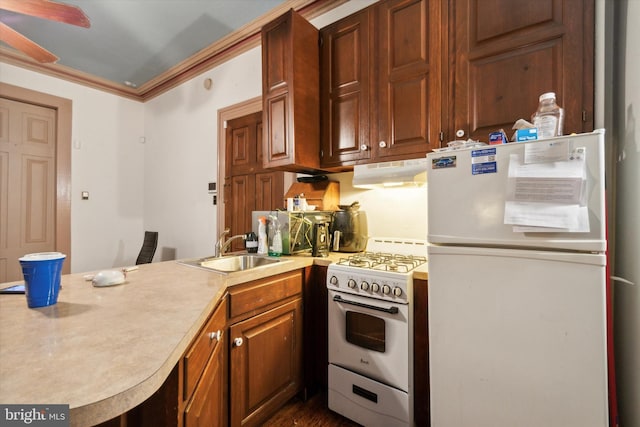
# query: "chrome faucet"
222,245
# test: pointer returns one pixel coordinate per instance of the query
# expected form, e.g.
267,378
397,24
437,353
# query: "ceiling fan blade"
20,42
47,9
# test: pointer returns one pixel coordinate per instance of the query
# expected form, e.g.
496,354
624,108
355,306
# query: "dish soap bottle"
549,117
262,235
274,236
251,242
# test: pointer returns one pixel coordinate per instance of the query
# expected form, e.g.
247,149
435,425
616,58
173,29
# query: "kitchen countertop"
105,350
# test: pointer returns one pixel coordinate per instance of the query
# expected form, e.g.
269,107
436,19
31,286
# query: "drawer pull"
215,335
238,342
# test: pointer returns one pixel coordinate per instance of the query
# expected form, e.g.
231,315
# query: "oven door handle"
392,310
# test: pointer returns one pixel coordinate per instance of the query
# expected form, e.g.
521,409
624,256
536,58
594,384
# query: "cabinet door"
207,407
508,52
345,92
409,64
290,90
265,363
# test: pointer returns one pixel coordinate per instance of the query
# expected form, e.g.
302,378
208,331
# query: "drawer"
259,295
203,346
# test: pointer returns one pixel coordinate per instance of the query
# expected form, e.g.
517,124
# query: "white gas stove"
371,332
383,272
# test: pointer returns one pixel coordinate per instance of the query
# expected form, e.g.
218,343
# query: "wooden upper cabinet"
381,97
345,89
290,89
409,64
508,52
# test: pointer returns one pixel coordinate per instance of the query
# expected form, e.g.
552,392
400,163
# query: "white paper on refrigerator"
547,195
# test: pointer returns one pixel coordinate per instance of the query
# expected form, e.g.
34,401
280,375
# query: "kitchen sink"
232,263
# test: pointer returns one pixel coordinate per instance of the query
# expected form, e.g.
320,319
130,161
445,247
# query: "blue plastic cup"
42,273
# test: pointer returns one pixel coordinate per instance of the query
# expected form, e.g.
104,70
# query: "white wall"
181,150
106,230
182,158
157,185
398,212
627,242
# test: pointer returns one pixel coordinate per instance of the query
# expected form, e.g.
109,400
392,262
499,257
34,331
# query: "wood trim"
249,106
63,109
240,41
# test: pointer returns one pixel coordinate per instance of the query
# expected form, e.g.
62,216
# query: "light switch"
85,195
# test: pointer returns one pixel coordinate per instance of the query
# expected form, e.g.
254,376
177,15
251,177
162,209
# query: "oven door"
370,337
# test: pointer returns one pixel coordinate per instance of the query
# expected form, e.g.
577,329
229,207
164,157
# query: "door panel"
248,186
242,145
27,183
533,332
266,369
505,61
345,91
269,191
409,74
242,198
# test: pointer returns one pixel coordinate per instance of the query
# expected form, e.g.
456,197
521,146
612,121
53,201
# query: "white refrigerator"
517,284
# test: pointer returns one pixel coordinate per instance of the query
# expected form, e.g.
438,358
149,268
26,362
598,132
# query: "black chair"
148,247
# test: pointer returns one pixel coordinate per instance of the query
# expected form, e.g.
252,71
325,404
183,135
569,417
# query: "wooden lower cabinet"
265,348
206,406
265,363
244,364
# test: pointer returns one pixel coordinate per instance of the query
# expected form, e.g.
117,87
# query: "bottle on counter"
549,118
251,242
274,236
262,235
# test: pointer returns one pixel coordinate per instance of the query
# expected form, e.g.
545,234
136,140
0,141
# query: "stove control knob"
364,286
375,287
351,283
333,281
386,289
397,291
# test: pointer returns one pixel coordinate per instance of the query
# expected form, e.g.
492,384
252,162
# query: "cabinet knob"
215,335
238,342
364,147
382,144
459,133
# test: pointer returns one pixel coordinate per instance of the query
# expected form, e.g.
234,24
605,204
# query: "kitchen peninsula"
104,351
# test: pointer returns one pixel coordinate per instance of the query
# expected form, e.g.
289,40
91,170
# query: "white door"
27,183
516,338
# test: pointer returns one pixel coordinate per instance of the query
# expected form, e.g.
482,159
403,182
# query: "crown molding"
236,43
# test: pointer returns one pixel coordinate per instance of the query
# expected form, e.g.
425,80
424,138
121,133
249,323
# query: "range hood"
400,173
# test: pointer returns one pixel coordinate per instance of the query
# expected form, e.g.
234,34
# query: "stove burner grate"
383,261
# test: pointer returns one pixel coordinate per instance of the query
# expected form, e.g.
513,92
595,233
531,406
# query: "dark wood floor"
313,413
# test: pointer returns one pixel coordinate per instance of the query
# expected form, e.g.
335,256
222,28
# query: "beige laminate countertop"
105,350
